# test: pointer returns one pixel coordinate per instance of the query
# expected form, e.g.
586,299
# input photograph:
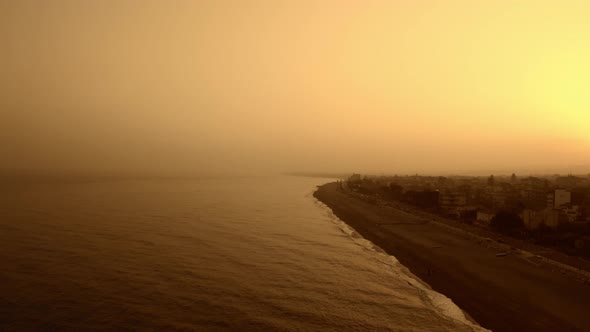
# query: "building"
449,199
484,217
354,178
497,195
561,197
533,219
534,192
553,218
452,202
572,212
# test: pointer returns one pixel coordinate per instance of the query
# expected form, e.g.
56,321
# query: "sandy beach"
501,293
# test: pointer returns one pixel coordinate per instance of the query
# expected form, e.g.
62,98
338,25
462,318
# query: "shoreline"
464,317
509,293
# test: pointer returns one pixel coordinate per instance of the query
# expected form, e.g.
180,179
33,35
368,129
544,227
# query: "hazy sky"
224,86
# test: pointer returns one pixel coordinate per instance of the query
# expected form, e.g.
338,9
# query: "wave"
439,302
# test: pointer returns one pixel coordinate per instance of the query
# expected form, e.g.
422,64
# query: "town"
552,211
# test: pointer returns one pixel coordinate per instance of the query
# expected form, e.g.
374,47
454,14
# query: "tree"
513,178
396,190
491,180
506,221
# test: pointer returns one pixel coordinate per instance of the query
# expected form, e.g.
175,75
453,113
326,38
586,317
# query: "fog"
181,87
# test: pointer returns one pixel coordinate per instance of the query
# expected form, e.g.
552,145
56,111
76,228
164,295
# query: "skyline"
275,86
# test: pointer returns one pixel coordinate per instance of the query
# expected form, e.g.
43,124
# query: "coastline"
444,305
510,293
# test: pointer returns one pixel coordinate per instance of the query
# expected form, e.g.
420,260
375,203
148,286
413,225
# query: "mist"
246,87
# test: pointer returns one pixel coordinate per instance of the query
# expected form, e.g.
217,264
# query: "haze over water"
203,254
224,86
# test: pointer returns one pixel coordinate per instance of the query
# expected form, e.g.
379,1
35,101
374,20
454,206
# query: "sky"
273,86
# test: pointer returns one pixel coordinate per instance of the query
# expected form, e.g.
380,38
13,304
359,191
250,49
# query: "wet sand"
509,293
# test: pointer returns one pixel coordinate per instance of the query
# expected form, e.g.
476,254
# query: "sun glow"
296,84
559,91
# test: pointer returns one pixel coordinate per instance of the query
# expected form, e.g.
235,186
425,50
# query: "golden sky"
226,86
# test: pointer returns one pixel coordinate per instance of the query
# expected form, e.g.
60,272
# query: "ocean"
200,254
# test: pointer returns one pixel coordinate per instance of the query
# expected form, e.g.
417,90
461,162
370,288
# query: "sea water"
199,254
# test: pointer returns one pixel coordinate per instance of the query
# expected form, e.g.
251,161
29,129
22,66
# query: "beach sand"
508,293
